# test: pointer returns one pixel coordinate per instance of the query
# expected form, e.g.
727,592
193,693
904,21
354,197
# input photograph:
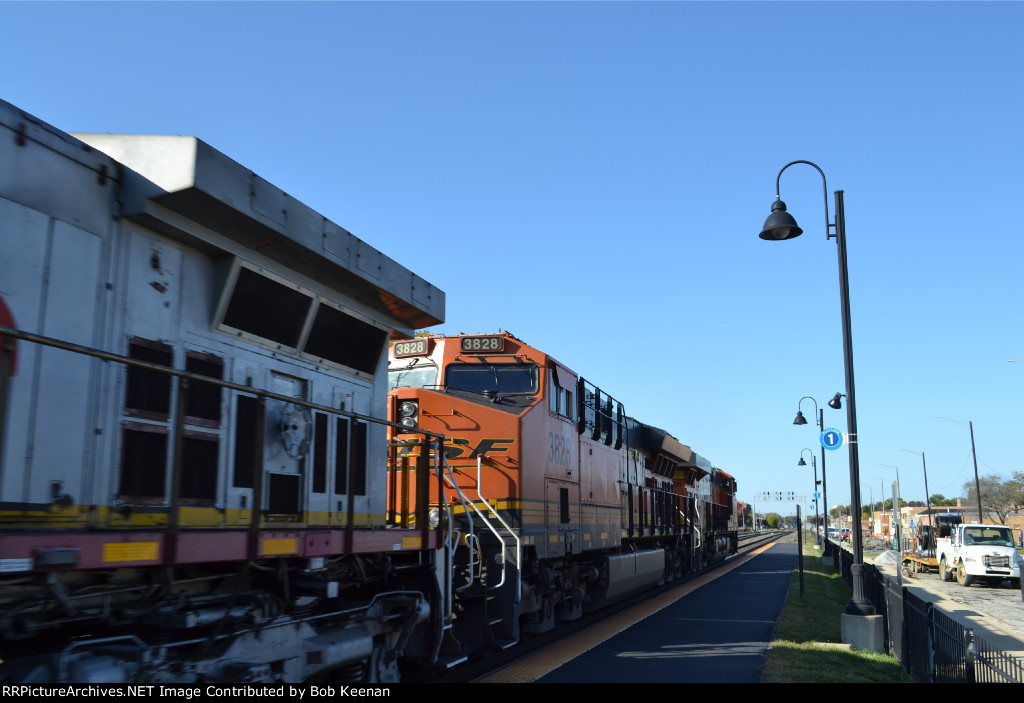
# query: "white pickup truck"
975,551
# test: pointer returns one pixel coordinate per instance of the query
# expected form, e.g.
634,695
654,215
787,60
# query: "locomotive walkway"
714,629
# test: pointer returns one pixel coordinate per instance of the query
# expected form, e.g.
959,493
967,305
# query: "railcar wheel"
962,577
382,668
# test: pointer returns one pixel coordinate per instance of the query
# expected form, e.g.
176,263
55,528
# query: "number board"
414,347
482,344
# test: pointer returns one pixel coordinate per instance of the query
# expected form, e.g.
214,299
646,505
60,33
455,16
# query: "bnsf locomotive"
555,500
202,474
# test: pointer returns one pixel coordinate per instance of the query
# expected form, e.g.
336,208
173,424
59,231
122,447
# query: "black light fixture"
800,419
836,403
801,462
780,225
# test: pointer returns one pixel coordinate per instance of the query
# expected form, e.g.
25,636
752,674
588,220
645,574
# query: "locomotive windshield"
493,379
412,376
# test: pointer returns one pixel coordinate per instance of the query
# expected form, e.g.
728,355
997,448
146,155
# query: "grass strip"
808,644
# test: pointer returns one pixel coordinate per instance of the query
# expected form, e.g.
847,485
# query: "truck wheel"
1015,583
962,577
944,571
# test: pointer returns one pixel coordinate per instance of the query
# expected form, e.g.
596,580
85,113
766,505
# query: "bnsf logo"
457,448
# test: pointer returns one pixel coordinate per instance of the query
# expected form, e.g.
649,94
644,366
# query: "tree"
999,496
1018,498
839,510
940,500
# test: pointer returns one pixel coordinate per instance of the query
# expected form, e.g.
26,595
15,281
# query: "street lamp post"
801,420
779,226
927,500
894,527
974,454
817,539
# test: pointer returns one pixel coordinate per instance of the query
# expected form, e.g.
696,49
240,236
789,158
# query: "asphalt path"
718,632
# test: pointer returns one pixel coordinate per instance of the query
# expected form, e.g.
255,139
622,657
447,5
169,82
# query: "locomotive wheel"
962,576
381,668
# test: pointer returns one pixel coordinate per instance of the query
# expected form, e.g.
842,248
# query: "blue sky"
593,176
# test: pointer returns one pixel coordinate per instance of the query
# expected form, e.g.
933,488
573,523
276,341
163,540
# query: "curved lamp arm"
799,413
824,187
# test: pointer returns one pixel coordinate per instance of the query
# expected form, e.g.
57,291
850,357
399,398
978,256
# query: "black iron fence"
932,646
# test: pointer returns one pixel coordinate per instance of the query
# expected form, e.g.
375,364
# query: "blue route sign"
831,438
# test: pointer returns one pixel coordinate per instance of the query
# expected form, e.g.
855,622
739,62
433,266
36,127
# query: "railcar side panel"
192,445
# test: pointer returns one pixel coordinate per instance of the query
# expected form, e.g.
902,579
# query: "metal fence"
932,646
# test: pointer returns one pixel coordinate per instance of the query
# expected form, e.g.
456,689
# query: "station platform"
713,629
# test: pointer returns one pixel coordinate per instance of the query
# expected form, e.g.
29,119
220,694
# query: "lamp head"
801,462
780,224
800,420
836,403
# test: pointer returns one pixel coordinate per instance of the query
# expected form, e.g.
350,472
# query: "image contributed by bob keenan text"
290,692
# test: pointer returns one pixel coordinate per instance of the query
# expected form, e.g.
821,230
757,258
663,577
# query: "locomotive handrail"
184,377
188,375
447,473
508,528
472,534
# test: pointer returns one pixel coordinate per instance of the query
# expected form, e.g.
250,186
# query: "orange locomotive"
556,501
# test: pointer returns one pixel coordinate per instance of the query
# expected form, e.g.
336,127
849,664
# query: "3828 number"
481,344
559,450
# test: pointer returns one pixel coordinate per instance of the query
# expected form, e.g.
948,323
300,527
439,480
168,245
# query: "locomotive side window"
203,407
247,435
412,376
148,392
201,449
283,498
357,461
561,400
341,456
319,453
144,446
350,456
143,461
199,466
267,309
346,340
